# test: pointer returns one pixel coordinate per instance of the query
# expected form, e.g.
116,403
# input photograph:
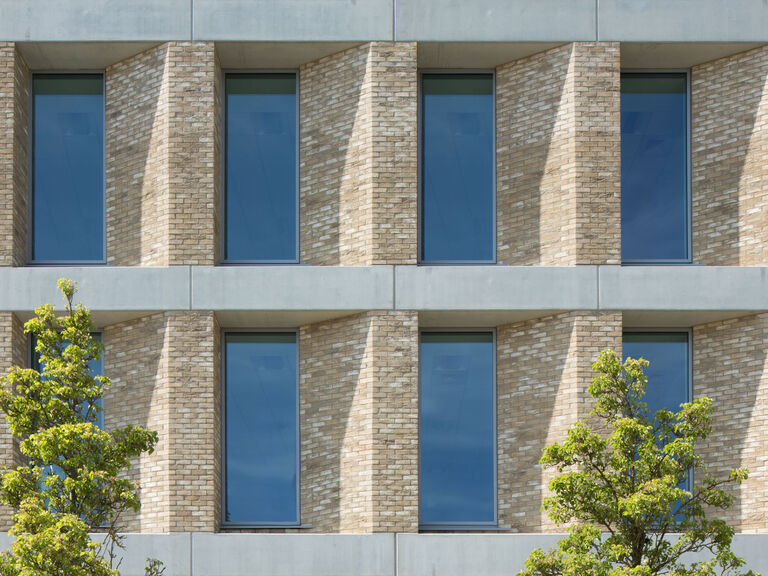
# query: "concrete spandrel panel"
495,20
293,554
293,20
171,549
91,20
496,288
678,288
683,20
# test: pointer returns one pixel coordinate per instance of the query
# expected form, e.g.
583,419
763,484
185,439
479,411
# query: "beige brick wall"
558,157
730,366
543,370
358,156
161,157
163,371
14,122
13,352
359,423
730,175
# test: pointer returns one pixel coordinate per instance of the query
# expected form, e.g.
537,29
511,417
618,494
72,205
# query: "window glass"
668,372
68,168
261,150
457,168
654,167
261,457
457,429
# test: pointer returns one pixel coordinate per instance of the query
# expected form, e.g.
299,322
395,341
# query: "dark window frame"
224,169
465,526
688,175
421,261
31,170
225,524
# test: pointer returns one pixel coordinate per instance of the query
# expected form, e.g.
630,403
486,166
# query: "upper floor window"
668,371
655,196
67,199
261,213
457,168
261,429
457,427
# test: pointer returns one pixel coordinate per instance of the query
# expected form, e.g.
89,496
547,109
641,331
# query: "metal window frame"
224,172
689,359
688,172
226,525
420,171
465,526
31,171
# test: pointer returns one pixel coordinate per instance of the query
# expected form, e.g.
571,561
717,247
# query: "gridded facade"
558,195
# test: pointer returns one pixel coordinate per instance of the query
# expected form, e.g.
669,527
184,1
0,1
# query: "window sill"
461,528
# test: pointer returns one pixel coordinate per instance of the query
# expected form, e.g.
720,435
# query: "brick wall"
161,157
163,376
13,352
14,142
730,366
358,156
730,178
543,370
359,423
558,157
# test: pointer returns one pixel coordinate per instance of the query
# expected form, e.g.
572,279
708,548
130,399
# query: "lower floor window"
457,427
261,429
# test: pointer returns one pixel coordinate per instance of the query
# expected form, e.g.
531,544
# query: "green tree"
619,487
71,484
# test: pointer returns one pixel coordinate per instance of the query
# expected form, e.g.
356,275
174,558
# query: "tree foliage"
71,483
621,488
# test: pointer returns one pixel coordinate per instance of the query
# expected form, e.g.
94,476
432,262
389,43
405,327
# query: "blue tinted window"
261,429
261,209
457,429
654,167
667,353
457,168
68,168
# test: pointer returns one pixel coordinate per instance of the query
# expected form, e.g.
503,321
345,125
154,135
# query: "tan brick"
730,173
558,157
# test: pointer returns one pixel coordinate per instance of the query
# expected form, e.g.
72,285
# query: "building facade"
353,260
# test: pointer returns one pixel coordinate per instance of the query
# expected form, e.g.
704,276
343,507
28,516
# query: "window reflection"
457,429
654,167
261,428
68,168
457,206
261,209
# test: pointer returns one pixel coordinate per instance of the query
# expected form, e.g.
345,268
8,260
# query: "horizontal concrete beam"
289,296
185,554
367,20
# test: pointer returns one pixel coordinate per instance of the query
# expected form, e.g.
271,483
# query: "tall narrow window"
261,149
67,212
668,371
457,168
457,424
261,429
655,199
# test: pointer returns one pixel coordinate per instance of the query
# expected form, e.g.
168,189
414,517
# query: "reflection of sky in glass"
68,173
654,210
457,432
261,428
457,168
261,167
667,372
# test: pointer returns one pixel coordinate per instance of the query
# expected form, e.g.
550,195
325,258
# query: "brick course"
729,100
13,352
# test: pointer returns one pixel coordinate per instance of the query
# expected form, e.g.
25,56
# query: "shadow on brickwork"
729,110
532,151
536,387
334,164
731,367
